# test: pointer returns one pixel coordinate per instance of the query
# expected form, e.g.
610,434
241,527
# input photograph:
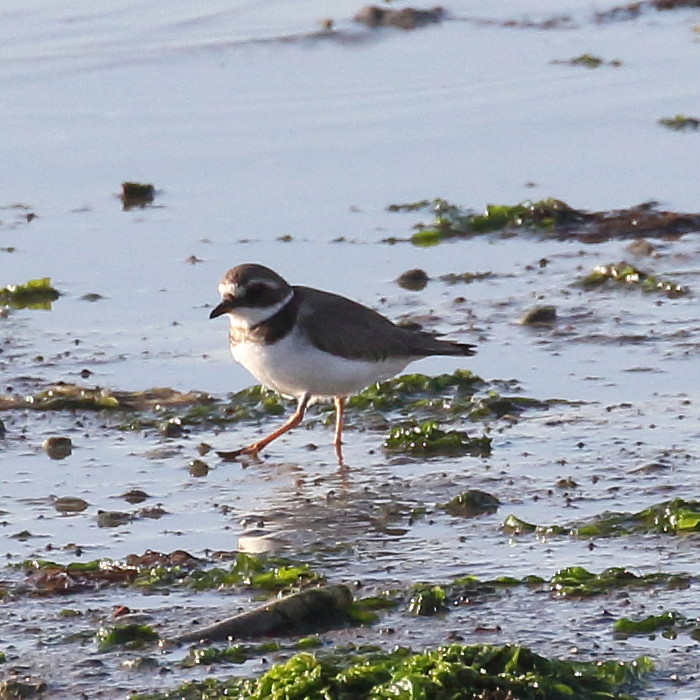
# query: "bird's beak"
221,309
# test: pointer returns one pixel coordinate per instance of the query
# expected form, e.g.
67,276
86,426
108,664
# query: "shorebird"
310,344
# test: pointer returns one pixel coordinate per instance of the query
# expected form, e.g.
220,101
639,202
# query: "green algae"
364,610
673,517
272,574
569,582
548,218
249,404
628,275
471,503
428,237
75,567
424,399
670,624
257,572
428,440
232,654
456,396
411,390
125,636
626,627
73,397
452,672
543,214
465,277
680,122
34,294
311,642
252,404
453,221
427,600
540,316
577,582
517,526
493,405
166,409
587,60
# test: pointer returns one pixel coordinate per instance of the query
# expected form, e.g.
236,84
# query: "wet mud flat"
524,525
470,512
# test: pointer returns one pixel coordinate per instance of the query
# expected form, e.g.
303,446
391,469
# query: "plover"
310,344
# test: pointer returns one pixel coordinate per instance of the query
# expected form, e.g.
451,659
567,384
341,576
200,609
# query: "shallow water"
253,127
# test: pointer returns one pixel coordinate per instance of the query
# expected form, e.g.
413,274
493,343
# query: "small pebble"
540,316
137,194
641,247
198,467
112,518
70,504
203,448
413,280
134,496
58,447
172,428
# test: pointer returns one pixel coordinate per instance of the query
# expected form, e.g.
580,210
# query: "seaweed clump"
633,10
231,654
34,294
670,624
669,517
428,440
427,600
680,123
157,571
421,399
452,221
63,396
404,18
137,194
452,672
587,60
471,503
548,217
130,636
577,582
570,582
628,275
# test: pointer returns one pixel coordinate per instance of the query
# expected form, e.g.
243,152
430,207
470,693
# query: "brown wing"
343,327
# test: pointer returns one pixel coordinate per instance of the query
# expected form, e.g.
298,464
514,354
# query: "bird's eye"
256,289
260,294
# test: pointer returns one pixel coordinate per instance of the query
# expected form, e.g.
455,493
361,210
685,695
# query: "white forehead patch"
226,289
229,289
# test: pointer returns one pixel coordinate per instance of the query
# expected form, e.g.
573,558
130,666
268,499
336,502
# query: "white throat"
246,317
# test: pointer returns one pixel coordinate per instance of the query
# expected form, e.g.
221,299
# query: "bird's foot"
233,455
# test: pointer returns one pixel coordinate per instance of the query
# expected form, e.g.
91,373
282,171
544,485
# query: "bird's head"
250,294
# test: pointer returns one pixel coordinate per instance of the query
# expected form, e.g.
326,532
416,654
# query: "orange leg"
338,439
255,447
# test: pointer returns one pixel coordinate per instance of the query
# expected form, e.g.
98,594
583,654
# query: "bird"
311,345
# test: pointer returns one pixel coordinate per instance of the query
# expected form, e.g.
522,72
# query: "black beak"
221,309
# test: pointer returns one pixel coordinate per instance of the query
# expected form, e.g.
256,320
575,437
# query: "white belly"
293,367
